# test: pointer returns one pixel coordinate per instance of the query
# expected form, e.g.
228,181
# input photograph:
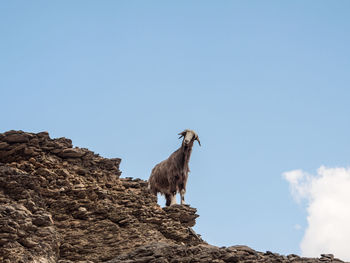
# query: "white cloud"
327,196
299,183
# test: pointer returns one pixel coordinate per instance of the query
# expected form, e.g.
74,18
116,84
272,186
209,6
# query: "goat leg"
168,199
182,194
173,199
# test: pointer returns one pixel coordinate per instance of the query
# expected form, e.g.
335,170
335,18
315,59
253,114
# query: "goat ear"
182,134
199,142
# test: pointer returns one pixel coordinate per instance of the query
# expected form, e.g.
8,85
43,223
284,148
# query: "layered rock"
64,204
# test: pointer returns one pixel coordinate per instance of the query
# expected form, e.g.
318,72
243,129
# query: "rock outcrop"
160,252
64,204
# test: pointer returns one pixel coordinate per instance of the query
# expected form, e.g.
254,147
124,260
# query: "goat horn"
199,142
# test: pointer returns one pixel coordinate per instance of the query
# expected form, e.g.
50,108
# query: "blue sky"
264,83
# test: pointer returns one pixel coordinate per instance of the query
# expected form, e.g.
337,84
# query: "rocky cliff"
64,204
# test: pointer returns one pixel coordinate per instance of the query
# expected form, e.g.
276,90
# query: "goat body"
170,176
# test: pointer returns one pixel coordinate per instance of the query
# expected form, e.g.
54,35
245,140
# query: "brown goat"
170,176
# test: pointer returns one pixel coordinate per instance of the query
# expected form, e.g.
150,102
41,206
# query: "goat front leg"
182,194
170,199
173,199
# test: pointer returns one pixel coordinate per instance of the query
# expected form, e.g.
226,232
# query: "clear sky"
264,83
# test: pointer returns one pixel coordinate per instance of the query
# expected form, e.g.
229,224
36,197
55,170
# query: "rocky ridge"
64,204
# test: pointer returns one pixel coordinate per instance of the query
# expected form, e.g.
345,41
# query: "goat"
170,176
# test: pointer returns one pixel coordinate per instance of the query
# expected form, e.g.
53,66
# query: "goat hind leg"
182,194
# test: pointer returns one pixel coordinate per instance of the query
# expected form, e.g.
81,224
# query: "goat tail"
151,187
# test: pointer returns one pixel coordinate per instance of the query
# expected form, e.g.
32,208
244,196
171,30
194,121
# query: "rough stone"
185,214
72,153
3,145
17,138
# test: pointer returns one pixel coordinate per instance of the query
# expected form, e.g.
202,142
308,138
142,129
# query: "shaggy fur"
170,176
